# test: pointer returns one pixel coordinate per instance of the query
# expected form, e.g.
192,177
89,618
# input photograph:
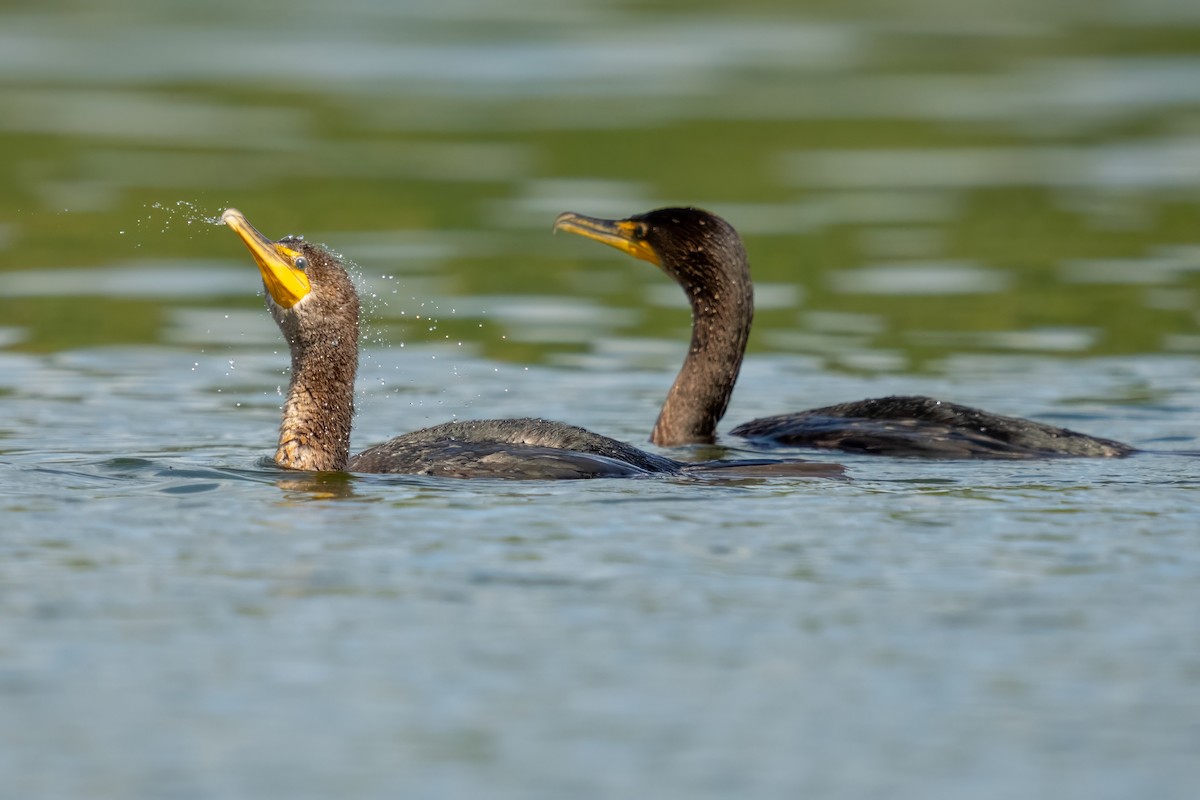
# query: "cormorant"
705,256
317,308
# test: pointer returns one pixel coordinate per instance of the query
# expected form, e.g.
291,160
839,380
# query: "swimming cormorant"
705,256
317,308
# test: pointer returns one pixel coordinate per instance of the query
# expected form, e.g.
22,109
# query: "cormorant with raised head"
317,308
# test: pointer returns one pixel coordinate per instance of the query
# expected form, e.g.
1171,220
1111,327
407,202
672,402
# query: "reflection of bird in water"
704,254
316,307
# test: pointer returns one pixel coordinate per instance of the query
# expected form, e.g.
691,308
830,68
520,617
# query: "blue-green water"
992,204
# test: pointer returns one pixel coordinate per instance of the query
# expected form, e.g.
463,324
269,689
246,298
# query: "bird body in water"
705,256
315,305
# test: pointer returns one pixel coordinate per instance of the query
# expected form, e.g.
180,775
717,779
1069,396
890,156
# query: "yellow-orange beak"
623,234
277,263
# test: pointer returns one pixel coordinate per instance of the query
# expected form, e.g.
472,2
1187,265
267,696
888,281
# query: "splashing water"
183,212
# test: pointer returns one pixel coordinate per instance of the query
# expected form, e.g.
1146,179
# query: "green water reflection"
958,180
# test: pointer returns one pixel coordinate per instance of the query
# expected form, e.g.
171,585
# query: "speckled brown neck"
722,311
319,411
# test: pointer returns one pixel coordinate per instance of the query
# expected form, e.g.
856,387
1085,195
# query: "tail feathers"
765,468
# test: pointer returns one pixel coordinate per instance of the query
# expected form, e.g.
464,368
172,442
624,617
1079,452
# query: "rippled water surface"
987,202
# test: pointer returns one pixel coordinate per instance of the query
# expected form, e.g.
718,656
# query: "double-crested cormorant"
316,307
705,255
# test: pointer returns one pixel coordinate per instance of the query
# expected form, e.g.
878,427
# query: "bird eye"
640,230
301,263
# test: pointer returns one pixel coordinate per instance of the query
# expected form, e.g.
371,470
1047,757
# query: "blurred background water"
992,202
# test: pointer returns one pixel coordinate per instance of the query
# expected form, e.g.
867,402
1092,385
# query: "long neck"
315,433
722,310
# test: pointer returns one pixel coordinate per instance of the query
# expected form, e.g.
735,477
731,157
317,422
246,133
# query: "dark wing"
517,449
922,426
450,459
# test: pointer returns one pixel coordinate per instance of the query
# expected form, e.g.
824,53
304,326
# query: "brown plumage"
322,336
705,256
314,302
